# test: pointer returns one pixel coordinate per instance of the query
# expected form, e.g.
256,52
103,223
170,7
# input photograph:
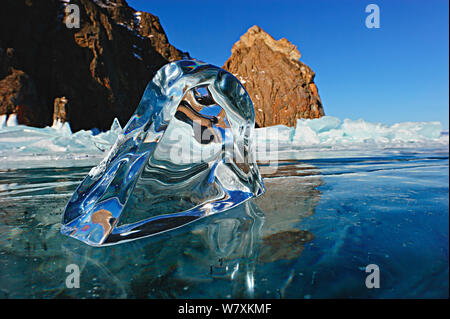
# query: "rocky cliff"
92,74
281,87
89,74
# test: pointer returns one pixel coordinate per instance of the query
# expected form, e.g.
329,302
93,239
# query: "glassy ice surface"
320,222
185,154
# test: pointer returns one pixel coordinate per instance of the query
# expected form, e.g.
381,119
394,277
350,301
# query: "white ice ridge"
6,120
332,132
3,119
20,143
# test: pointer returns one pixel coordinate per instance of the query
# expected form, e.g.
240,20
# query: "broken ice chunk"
186,153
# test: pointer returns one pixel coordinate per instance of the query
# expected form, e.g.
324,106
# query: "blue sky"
396,73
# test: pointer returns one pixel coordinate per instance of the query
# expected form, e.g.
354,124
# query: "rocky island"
281,87
51,74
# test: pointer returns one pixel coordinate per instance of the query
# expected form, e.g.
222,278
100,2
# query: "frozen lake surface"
320,223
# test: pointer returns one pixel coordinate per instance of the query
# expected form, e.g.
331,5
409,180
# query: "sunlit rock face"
185,154
282,87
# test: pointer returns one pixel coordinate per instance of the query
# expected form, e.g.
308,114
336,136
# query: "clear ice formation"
186,153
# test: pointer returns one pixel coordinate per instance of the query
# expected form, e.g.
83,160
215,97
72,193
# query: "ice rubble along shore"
23,146
329,131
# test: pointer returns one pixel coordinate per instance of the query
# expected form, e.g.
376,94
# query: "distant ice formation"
331,132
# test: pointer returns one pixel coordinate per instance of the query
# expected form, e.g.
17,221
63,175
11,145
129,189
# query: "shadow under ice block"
186,153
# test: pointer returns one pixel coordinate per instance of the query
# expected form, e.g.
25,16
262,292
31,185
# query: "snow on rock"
137,16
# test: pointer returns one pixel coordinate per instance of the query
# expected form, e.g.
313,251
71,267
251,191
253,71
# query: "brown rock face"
281,87
102,67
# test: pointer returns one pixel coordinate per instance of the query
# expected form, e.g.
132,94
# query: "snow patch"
137,17
105,3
